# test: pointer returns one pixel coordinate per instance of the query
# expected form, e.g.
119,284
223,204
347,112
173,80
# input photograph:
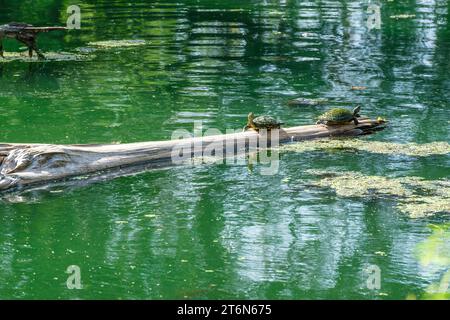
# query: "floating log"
23,165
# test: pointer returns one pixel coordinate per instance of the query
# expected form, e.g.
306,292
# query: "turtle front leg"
250,126
355,121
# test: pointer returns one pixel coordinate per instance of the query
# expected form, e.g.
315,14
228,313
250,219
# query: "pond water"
221,230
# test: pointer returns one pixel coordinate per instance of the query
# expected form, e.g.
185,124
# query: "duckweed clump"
416,197
49,56
408,149
117,43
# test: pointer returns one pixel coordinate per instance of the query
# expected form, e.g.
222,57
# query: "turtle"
339,116
262,122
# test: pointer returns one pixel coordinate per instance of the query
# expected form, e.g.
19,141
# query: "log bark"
23,165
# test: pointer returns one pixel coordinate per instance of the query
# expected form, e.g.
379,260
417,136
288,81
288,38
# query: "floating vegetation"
408,149
49,56
416,197
354,184
403,16
425,206
117,43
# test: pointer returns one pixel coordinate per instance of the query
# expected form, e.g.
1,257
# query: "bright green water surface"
225,231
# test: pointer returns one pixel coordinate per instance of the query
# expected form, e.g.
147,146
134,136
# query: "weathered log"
23,165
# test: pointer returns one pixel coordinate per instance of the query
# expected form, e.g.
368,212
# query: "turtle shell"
266,122
337,115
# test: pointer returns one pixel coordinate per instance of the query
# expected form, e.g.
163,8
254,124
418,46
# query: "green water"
224,231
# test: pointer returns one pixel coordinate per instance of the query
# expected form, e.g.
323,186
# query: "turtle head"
356,111
381,120
251,116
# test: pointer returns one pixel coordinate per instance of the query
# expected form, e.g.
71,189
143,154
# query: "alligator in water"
25,33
